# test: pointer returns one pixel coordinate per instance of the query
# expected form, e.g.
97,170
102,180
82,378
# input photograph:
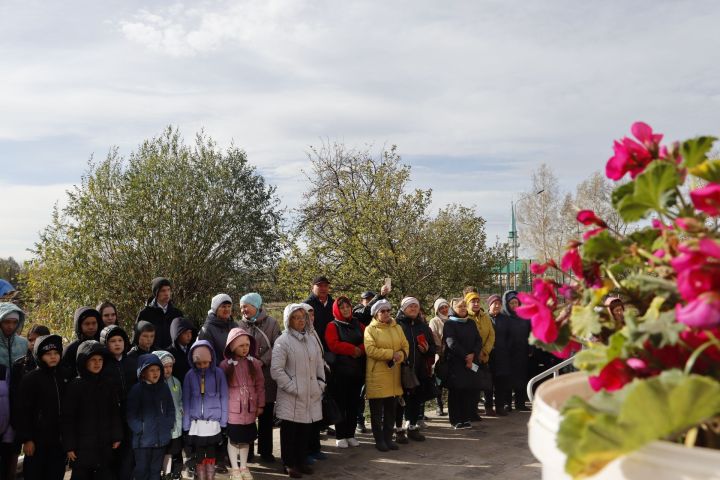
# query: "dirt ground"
494,448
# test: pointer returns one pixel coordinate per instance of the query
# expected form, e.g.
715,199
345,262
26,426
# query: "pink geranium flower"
569,349
538,268
631,156
588,217
537,307
707,199
615,375
703,312
572,261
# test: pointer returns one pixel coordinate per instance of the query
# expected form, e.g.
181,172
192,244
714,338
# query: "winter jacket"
342,338
216,331
14,346
382,340
161,319
213,403
6,433
487,333
175,387
70,352
40,400
298,368
361,312
120,373
91,421
511,342
245,394
264,328
182,364
150,408
413,328
461,338
323,314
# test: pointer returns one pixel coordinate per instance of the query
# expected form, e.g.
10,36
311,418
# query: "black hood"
114,331
507,296
402,318
140,327
45,343
87,349
81,314
180,325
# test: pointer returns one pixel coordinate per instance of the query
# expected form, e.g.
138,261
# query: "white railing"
554,371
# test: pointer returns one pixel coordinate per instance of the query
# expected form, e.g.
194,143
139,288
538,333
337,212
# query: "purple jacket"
213,405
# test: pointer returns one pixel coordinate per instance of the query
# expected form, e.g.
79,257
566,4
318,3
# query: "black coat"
323,315
161,320
120,373
70,352
460,339
511,343
361,312
182,362
413,328
91,417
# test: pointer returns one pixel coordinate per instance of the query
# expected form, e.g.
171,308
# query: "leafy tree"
193,213
9,270
360,223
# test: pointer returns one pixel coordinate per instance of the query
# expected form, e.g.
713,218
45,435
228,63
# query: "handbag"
442,369
428,390
408,378
332,415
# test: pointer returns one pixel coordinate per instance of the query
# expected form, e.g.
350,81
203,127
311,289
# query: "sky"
476,94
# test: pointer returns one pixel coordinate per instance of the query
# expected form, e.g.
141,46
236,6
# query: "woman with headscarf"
298,369
421,353
462,349
386,348
437,323
516,331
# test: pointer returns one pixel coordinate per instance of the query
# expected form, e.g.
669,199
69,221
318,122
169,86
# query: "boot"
400,436
440,411
414,434
389,442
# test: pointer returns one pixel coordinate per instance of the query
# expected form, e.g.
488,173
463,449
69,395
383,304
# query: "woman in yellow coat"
487,335
386,348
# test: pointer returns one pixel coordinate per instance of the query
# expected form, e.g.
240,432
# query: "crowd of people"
177,397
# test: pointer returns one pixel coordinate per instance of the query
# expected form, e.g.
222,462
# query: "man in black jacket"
322,303
160,311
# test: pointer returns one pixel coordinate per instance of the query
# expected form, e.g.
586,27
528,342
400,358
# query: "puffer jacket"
14,346
382,340
150,408
298,368
264,328
487,333
216,331
213,404
245,394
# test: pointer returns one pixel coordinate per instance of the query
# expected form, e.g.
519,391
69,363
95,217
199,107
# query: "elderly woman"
462,348
297,367
386,348
437,323
516,331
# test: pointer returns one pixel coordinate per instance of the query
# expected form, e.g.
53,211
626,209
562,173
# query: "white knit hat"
379,305
218,300
407,301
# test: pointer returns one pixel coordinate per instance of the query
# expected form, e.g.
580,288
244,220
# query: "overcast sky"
476,94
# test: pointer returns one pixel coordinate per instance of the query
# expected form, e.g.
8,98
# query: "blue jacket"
150,409
213,405
14,346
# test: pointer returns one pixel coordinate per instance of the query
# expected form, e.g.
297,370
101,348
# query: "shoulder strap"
267,340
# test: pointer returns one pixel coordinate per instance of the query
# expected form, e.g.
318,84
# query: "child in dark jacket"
174,449
151,416
90,422
183,334
121,372
39,407
205,407
86,322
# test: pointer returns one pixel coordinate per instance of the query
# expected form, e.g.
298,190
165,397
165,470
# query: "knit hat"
165,357
379,305
47,343
158,283
407,301
439,303
471,296
493,298
218,300
201,353
253,299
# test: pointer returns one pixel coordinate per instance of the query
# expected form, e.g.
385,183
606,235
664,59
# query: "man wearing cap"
322,302
160,311
361,311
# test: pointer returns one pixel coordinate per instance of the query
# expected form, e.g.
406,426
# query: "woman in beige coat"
386,348
297,367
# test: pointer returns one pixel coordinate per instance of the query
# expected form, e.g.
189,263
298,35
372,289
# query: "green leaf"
593,359
644,237
708,170
595,432
624,190
584,321
694,151
655,187
601,247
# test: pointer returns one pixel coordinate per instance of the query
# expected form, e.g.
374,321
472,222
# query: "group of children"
107,408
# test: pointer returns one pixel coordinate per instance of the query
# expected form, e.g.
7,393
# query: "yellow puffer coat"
381,341
487,333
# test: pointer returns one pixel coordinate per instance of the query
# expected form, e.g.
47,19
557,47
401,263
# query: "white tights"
238,450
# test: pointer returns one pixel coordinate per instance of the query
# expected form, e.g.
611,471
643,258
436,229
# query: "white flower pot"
656,461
